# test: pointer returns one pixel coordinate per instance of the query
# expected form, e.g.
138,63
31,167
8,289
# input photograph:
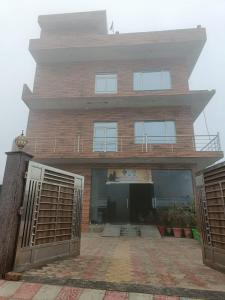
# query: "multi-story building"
117,109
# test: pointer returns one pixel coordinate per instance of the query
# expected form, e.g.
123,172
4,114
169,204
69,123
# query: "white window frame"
152,139
105,78
138,80
106,139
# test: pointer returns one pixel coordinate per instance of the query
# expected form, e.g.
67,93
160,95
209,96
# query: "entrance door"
118,203
141,209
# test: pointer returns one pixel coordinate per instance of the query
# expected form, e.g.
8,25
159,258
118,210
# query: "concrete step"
111,230
129,230
150,231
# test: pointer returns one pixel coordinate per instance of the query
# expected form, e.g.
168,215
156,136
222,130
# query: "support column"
10,203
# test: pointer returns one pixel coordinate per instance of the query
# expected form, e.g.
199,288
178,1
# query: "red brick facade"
69,124
76,79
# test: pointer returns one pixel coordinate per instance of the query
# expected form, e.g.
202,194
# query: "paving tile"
9,288
137,296
1,282
185,298
47,292
111,295
26,291
90,294
166,262
69,293
161,297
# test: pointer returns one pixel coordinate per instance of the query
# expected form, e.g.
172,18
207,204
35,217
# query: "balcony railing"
124,144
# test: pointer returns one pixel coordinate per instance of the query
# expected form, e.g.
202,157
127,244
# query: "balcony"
196,99
201,150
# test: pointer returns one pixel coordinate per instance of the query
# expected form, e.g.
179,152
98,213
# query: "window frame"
112,74
107,143
151,72
169,139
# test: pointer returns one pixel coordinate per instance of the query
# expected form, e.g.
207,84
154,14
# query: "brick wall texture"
78,80
69,124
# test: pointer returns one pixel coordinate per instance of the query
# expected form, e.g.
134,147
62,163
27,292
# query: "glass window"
145,81
173,187
105,136
106,83
155,132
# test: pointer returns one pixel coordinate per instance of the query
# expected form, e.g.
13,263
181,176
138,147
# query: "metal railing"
125,144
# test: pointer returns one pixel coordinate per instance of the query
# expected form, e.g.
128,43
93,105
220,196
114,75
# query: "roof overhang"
196,161
197,100
186,44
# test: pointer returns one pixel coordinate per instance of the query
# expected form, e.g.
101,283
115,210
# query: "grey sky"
18,23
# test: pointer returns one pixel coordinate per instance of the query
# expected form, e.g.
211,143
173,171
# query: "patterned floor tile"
161,297
111,295
89,294
137,296
9,288
166,262
47,292
69,293
26,291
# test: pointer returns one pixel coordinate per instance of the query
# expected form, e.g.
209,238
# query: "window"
155,132
173,187
106,83
146,81
105,136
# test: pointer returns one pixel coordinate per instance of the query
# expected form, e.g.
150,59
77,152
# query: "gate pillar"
10,203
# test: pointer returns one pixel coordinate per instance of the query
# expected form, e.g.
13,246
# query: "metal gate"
211,205
50,216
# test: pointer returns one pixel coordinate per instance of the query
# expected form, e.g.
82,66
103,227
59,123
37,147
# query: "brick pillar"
10,203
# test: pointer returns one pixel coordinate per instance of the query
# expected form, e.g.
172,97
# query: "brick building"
117,109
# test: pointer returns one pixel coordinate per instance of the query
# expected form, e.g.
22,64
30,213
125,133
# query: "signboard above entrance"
129,176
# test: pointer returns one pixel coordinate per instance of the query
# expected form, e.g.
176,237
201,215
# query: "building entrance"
130,203
141,204
115,201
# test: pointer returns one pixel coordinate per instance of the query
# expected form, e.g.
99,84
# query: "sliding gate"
211,204
50,216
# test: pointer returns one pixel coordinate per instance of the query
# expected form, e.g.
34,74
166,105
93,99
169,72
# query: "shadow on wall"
0,190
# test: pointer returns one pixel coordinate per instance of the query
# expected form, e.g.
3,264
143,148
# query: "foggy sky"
18,23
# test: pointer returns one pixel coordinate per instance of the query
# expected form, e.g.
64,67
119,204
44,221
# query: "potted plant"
195,231
161,216
188,221
176,219
169,230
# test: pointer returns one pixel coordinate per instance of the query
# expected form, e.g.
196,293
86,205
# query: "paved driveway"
166,262
35,291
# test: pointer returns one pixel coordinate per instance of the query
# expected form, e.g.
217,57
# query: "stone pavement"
26,291
161,263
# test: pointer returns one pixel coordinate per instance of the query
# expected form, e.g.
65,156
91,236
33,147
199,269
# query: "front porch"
166,265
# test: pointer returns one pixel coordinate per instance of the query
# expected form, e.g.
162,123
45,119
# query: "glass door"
105,137
118,203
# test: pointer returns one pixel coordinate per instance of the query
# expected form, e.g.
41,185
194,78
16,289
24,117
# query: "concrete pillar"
10,203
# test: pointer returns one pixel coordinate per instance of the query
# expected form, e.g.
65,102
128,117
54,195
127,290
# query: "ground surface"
27,291
166,262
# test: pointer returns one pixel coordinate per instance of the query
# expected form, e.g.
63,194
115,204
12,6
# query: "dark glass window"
99,196
172,187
